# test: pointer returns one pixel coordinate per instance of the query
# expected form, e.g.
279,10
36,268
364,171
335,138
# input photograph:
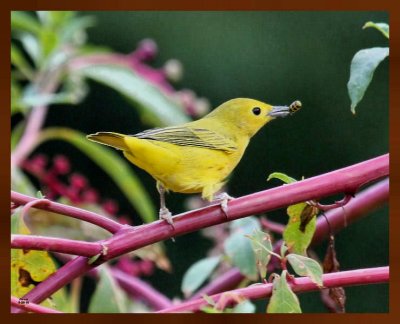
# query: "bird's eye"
256,111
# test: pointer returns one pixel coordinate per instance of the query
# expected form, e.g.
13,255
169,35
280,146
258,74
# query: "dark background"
276,57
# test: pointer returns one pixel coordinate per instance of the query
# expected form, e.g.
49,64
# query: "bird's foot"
223,199
165,214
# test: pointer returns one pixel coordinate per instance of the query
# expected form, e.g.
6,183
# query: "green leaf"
209,300
21,183
73,92
58,19
306,267
297,236
108,296
49,40
19,61
22,21
245,307
31,45
362,69
38,99
30,267
16,94
262,247
238,248
159,109
283,249
211,310
281,176
17,134
283,299
112,163
382,27
245,225
73,31
197,274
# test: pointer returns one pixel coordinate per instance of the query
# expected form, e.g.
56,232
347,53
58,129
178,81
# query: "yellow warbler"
196,156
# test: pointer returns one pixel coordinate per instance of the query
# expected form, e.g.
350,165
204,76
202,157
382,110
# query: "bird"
198,156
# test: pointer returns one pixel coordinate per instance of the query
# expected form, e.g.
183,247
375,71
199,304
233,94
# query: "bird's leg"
223,198
164,212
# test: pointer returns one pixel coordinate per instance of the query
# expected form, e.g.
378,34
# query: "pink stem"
298,285
34,124
272,226
138,288
134,286
227,281
87,216
47,84
33,242
129,239
31,307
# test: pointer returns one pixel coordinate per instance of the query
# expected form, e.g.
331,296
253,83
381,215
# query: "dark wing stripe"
184,136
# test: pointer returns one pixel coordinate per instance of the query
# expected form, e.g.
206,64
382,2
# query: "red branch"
35,242
298,285
142,290
128,239
31,307
85,215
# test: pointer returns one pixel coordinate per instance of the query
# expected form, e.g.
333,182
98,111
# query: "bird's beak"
279,111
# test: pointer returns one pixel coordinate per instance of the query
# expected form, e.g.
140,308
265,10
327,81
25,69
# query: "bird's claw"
165,214
223,199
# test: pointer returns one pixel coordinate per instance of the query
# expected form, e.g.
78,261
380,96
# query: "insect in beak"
283,111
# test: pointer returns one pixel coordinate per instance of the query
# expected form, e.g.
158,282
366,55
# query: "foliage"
363,66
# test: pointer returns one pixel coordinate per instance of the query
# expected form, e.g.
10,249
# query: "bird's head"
249,115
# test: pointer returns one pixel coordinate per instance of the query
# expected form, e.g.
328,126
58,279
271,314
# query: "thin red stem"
298,285
32,307
34,242
85,215
272,226
227,281
142,290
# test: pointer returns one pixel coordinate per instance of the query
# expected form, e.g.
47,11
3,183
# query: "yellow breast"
183,169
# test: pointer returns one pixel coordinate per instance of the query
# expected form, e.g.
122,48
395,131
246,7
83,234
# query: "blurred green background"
276,57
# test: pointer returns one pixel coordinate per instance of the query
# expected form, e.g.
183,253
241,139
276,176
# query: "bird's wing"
188,136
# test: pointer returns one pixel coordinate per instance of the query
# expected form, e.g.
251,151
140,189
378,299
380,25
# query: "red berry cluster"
56,180
135,267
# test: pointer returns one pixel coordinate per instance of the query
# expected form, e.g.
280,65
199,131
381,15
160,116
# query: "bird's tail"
114,140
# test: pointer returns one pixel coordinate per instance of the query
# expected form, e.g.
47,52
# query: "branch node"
104,249
336,204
